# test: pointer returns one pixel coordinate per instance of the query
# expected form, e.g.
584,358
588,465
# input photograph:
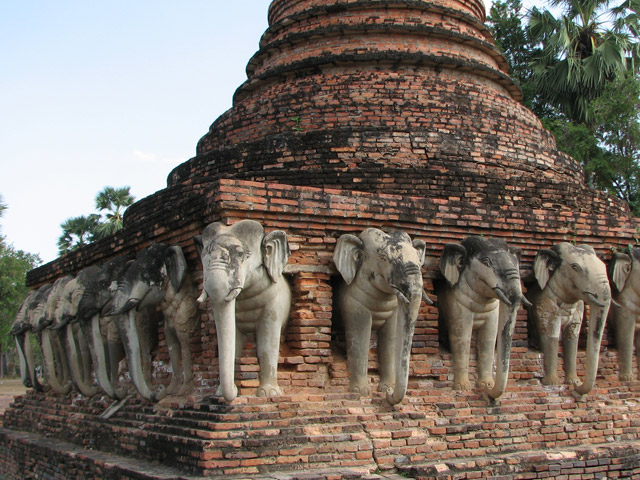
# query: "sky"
116,93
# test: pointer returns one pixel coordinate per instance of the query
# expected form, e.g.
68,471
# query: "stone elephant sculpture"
56,365
100,330
20,328
242,278
482,292
76,344
624,314
382,291
158,277
567,277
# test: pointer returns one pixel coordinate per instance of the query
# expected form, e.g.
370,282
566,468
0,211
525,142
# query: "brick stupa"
356,114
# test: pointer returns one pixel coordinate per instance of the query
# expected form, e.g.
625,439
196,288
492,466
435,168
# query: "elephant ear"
546,262
348,256
451,262
619,269
421,247
197,241
176,266
275,253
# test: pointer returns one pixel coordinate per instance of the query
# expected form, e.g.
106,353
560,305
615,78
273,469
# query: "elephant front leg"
358,337
625,330
570,353
387,338
460,340
268,348
549,347
486,346
175,358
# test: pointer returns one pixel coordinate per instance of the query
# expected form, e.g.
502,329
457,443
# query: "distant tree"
77,232
617,131
114,201
14,265
581,51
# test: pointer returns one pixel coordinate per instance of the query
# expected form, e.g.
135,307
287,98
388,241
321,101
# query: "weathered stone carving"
99,329
624,315
157,277
242,277
76,344
483,293
382,290
19,330
568,275
56,365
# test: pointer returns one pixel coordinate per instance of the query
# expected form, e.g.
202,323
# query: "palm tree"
578,53
115,201
77,232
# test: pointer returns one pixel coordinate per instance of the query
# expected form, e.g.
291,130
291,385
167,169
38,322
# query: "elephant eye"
576,267
486,261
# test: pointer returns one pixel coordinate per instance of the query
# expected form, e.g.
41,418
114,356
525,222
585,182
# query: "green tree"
617,130
581,51
114,201
77,232
14,265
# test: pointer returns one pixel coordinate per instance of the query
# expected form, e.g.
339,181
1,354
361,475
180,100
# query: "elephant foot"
232,396
385,387
485,383
461,384
573,380
269,390
173,387
363,390
186,389
626,377
550,380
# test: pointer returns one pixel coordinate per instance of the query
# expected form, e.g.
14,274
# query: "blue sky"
109,93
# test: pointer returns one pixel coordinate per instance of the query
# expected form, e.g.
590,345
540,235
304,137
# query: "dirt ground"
9,388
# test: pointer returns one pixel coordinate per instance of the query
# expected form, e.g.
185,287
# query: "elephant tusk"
594,299
526,302
233,294
503,298
401,296
426,298
203,297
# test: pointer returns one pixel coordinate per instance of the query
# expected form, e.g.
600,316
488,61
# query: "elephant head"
55,358
100,331
568,274
483,292
141,289
383,291
65,320
624,315
242,278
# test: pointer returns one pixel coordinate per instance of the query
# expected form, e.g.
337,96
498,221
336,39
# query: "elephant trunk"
408,307
507,315
77,365
598,311
98,355
224,315
22,357
131,340
55,378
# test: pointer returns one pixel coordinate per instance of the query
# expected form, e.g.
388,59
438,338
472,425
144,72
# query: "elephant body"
382,291
242,278
567,277
624,315
482,292
158,277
